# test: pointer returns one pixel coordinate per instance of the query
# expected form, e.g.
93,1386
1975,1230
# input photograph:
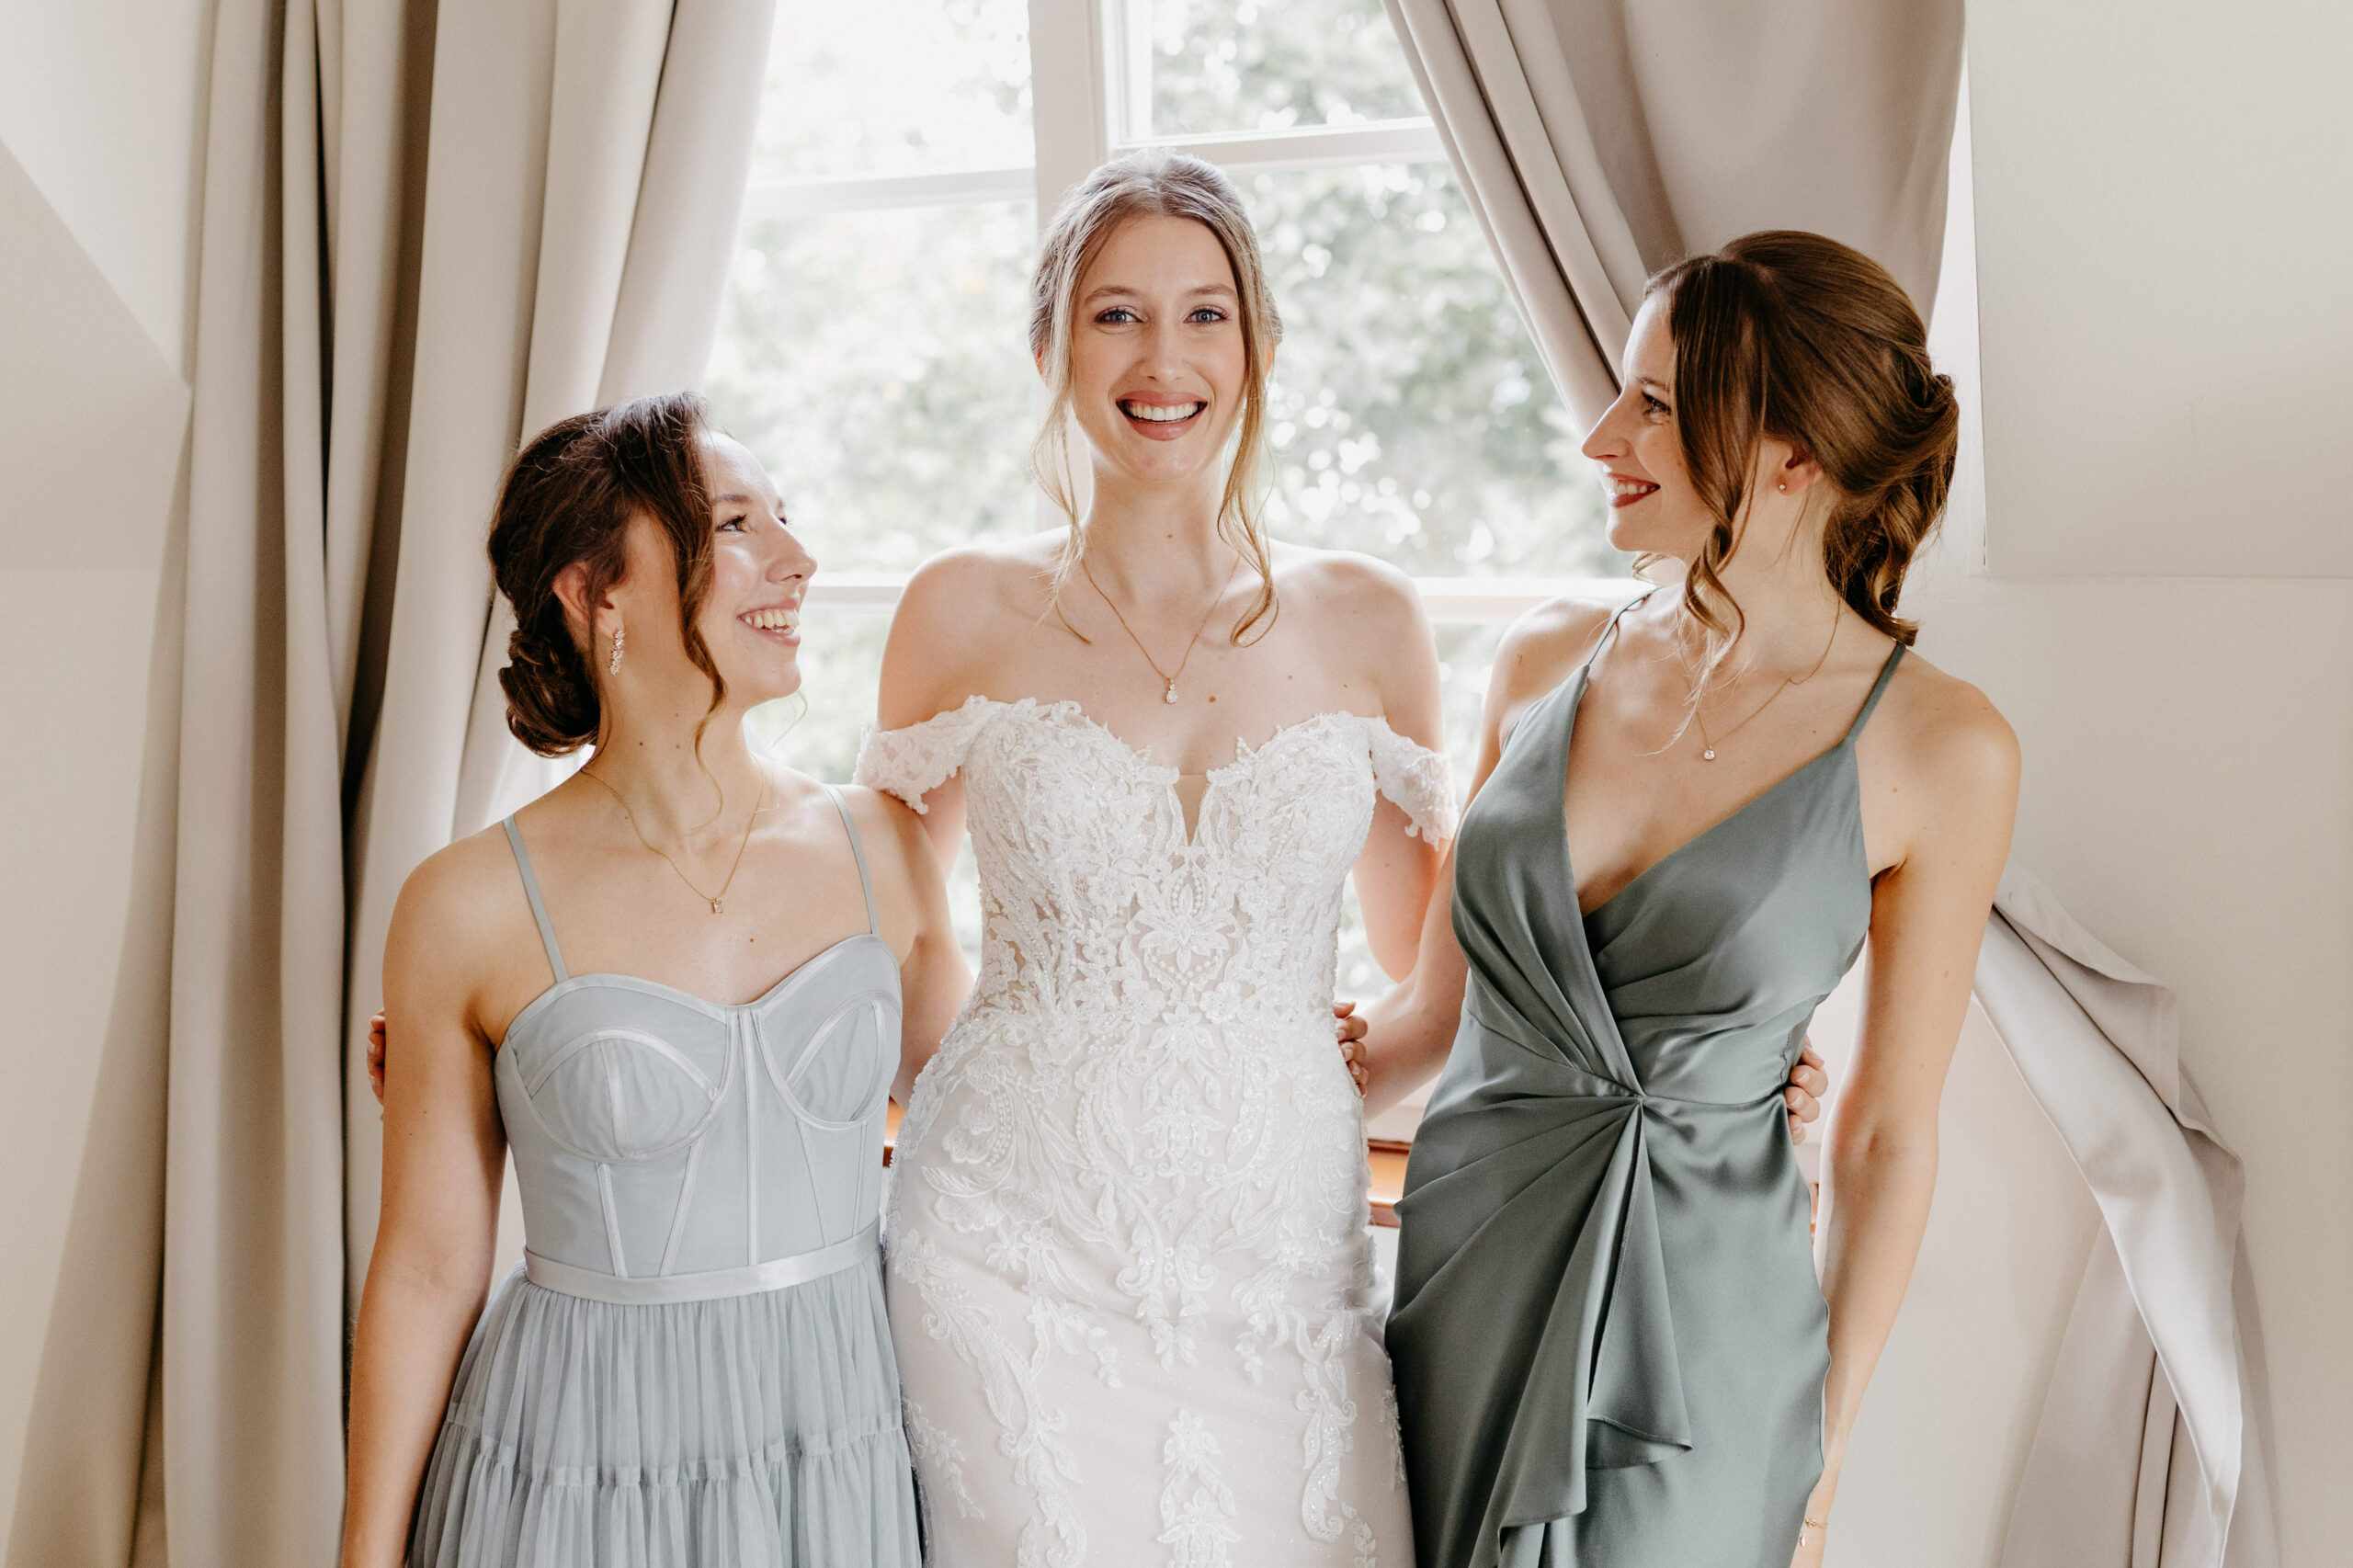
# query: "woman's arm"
926,663
444,1159
1927,920
933,977
1409,1031
1389,635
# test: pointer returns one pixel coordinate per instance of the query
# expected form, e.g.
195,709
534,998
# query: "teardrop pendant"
1170,695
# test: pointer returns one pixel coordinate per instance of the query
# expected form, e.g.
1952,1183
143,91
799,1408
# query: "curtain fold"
2148,1452
425,232
1599,141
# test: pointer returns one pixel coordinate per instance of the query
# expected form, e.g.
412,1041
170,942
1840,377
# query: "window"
873,347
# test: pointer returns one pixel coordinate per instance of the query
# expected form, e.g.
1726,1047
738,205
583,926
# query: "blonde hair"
1156,182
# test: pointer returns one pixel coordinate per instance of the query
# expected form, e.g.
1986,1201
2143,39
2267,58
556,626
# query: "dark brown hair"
1791,335
569,498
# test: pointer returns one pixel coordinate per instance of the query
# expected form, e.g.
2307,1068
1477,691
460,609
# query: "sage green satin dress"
1608,1339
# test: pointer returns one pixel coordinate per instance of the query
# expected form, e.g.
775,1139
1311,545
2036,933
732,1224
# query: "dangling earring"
614,667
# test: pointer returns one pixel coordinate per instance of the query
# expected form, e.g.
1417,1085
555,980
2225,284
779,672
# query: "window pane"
895,87
878,363
1203,66
1410,416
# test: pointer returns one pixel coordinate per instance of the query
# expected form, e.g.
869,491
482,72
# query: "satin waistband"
663,1290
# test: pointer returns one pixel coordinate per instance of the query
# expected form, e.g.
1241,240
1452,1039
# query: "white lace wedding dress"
1128,1269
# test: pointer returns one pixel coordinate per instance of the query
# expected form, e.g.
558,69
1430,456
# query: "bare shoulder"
1009,574
956,614
1371,613
1343,583
463,904
1945,735
1542,646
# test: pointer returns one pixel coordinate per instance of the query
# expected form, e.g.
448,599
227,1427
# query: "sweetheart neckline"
701,1003
1070,709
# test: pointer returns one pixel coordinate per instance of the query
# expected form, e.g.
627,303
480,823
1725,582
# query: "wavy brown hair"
1797,337
1156,182
569,498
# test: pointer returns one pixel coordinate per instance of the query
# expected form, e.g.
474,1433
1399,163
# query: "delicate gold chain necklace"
1168,680
1707,747
711,899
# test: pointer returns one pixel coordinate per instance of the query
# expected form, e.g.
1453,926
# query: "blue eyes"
1120,315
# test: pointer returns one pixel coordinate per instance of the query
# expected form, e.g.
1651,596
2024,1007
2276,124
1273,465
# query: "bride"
1130,1276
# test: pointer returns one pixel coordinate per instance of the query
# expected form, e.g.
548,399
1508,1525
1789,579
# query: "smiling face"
1654,507
1158,366
750,616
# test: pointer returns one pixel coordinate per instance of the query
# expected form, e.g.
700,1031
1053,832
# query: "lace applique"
911,762
1196,1506
1420,780
942,1459
1140,1125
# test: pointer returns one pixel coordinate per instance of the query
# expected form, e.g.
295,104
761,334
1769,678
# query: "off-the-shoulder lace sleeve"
913,762
1420,780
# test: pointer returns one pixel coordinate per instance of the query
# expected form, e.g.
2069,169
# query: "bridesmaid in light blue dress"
692,1368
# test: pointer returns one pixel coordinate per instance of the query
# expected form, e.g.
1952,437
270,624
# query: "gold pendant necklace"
1168,680
711,899
1707,747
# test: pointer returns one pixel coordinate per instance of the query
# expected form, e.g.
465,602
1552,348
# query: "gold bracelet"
1815,1523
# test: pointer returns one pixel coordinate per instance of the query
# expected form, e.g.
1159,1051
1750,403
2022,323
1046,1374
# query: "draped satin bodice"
1606,1148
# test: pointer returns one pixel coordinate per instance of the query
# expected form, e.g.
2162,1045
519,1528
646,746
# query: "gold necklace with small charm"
1168,677
712,899
1707,747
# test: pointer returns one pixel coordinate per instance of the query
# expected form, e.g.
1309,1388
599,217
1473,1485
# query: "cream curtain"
1600,140
2149,1452
426,231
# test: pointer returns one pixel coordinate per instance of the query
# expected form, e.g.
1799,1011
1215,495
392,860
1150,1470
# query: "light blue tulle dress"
692,1368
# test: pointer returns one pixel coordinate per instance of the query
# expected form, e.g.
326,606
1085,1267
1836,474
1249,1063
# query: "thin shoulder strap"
858,848
1611,631
1879,689
538,907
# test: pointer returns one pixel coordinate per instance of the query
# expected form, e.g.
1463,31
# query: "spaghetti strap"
538,908
857,850
1610,632
1879,689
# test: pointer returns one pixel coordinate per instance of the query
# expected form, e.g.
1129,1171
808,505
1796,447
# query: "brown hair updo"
1797,337
569,498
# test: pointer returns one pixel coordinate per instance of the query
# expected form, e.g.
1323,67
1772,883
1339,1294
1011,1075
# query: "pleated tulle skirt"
736,1433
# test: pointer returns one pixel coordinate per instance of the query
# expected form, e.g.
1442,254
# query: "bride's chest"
1055,792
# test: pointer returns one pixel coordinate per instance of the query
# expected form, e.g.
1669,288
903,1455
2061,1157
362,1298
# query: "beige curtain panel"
426,231
2150,1450
1598,140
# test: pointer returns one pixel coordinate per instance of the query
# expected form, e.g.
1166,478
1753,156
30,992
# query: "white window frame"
1086,66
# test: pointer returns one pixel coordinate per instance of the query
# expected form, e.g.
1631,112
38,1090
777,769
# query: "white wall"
97,139
2164,200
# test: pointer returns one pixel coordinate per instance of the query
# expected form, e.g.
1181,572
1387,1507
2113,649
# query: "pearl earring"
1784,485
613,668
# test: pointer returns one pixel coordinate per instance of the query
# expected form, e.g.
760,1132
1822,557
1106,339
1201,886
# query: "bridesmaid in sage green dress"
1611,1346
